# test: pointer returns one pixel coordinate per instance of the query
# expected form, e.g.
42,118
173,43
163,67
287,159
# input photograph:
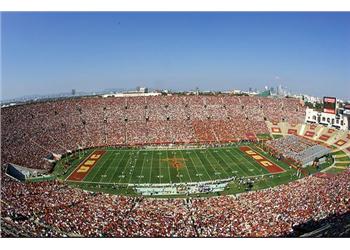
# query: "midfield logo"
176,162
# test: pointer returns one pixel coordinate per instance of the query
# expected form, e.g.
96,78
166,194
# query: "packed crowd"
50,209
297,149
34,132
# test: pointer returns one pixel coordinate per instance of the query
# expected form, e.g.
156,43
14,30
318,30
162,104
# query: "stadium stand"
52,209
298,149
33,132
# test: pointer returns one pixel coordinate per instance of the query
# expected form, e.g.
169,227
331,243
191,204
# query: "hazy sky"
46,53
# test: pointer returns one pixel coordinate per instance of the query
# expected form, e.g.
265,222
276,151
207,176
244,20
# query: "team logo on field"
176,162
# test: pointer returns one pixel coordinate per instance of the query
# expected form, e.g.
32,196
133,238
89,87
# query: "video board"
329,105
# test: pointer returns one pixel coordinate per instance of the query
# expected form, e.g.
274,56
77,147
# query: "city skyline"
49,53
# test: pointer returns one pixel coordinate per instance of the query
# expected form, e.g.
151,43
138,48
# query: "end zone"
85,167
262,160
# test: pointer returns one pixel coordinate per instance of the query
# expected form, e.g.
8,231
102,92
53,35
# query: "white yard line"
228,164
117,167
160,171
134,164
150,173
213,157
143,162
201,167
186,168
124,168
199,159
244,170
194,165
169,168
105,160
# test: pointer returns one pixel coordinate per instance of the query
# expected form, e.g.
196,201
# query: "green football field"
137,166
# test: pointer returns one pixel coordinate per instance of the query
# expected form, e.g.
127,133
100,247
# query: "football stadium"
174,165
216,123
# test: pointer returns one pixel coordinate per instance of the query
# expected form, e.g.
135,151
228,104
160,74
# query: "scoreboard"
329,105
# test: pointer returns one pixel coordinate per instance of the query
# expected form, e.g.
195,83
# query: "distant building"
265,93
338,120
311,99
142,89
